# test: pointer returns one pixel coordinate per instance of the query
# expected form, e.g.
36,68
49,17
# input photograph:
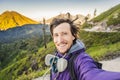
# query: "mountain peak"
6,12
78,21
10,19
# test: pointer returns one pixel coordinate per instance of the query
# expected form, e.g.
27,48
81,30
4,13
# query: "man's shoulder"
83,57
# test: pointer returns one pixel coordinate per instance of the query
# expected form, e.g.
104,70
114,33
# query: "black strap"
98,64
71,68
73,74
50,74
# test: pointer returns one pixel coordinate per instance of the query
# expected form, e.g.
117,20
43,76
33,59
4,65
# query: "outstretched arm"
87,70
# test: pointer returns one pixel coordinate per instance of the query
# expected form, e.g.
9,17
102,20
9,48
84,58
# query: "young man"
65,37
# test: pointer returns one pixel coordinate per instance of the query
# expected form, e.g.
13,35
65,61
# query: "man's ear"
73,37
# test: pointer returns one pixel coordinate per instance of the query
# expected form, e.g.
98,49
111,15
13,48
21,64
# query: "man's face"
63,37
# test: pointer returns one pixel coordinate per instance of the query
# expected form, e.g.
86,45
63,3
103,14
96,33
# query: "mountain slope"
26,59
107,14
23,32
108,20
10,19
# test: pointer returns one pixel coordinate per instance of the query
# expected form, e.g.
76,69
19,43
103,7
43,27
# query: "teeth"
62,45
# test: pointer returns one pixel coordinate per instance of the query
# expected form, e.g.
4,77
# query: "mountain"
106,21
112,12
80,18
10,19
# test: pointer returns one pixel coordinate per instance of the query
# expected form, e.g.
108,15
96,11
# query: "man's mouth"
62,45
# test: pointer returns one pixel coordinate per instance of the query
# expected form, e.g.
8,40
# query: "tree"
87,17
44,33
95,12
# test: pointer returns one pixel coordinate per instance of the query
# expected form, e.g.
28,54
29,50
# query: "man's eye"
65,33
55,35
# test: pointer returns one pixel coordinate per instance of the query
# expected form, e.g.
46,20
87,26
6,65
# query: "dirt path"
47,77
112,65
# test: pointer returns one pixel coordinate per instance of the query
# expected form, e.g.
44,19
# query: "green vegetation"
114,20
102,52
86,25
112,16
100,44
24,59
107,14
99,38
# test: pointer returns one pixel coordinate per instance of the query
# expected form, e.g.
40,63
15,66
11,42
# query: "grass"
98,52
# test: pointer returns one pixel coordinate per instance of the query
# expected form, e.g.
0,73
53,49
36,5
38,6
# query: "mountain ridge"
11,19
109,20
80,18
107,14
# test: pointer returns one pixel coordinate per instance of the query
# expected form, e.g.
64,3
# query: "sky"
38,9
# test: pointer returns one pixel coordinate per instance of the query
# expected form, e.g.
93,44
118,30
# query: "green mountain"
10,19
111,18
113,12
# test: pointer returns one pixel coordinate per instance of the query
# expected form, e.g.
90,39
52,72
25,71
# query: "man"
65,37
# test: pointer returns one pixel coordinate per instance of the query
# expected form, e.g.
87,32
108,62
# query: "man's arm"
87,70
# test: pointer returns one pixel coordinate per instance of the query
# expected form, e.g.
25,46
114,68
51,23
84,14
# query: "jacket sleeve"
87,70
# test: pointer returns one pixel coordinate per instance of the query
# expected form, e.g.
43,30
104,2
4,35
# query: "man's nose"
60,39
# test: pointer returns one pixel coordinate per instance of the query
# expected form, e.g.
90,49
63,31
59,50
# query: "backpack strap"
98,64
50,74
71,68
71,65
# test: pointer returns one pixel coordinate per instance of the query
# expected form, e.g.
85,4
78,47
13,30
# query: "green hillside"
24,59
101,45
21,58
107,14
99,38
111,17
28,67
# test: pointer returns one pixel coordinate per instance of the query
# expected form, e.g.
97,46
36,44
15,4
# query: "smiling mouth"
62,45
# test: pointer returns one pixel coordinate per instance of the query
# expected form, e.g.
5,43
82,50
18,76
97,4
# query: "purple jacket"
85,68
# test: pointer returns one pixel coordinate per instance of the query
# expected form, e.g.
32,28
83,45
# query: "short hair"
74,29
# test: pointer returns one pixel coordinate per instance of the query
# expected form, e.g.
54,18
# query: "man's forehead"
63,25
